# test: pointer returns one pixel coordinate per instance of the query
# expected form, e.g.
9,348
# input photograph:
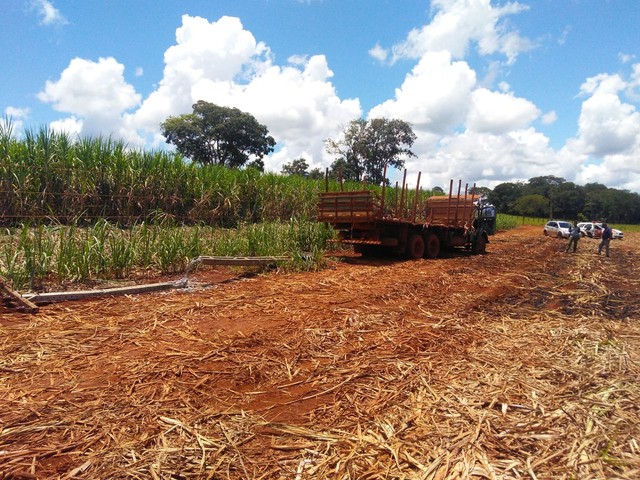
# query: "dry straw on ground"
522,363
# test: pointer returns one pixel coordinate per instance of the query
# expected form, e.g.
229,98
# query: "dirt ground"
520,363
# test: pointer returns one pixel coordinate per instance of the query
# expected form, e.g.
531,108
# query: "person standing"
574,236
606,239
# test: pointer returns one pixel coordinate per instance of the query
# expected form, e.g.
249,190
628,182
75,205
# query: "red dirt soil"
487,366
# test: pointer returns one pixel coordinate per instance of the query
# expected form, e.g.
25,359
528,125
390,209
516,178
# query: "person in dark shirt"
574,236
606,239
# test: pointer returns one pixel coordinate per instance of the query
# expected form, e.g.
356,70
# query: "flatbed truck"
412,228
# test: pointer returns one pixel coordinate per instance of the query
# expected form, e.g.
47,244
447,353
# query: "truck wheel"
432,248
480,245
415,247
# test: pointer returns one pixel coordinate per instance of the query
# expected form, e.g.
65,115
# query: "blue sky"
495,90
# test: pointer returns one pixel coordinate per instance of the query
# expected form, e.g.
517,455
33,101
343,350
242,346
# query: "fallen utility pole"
52,297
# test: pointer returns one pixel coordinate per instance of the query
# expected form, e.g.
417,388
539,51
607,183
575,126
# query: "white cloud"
379,53
608,136
96,92
71,126
49,15
90,88
16,112
205,52
487,158
16,117
434,96
494,112
607,125
549,118
626,57
459,23
222,63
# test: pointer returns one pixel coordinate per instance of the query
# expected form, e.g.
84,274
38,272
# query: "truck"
409,226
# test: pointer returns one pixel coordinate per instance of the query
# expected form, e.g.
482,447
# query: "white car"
594,230
590,229
616,234
557,228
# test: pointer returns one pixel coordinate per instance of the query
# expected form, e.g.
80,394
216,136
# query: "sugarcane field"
522,362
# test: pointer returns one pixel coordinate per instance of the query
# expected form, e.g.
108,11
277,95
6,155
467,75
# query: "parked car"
594,230
590,229
617,234
557,228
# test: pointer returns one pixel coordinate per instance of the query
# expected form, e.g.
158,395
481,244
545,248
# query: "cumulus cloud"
222,63
607,125
16,112
488,158
49,15
94,91
495,112
458,24
434,96
91,88
16,117
609,131
71,126
379,53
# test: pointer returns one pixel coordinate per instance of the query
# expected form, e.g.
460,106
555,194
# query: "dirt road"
521,363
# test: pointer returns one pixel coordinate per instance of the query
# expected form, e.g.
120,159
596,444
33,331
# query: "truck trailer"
410,226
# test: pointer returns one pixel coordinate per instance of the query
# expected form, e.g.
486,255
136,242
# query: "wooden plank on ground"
23,303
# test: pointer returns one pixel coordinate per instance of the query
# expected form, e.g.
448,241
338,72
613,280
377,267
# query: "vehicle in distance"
590,229
557,228
594,230
408,224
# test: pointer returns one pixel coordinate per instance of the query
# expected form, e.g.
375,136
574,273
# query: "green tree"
316,174
367,146
568,200
218,135
296,167
534,205
544,185
504,196
342,168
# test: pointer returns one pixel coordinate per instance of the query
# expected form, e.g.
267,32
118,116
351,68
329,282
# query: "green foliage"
296,167
531,205
47,177
567,200
506,222
29,255
367,146
219,135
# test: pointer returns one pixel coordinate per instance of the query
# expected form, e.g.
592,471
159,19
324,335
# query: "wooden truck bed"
362,206
347,207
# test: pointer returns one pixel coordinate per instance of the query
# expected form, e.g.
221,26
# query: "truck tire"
480,245
415,247
432,246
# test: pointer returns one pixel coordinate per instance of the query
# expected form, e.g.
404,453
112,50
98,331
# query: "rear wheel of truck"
415,247
432,246
480,245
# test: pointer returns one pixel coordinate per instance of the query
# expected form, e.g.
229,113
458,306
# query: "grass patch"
30,255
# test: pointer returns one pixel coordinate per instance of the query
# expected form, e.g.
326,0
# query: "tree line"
554,197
